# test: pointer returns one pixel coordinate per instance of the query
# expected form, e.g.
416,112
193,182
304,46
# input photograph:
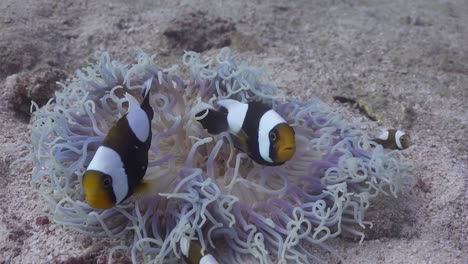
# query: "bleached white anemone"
208,190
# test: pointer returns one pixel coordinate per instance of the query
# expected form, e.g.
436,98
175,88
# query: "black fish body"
393,139
257,130
120,163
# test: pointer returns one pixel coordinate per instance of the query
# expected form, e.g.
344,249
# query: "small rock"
422,185
421,23
42,220
86,241
123,23
38,86
70,260
199,31
7,20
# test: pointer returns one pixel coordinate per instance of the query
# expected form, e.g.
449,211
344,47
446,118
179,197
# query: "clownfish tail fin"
145,105
212,120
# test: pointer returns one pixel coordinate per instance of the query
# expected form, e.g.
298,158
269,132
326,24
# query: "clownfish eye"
273,136
106,182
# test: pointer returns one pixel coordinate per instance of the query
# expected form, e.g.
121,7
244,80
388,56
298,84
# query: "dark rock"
38,86
70,260
423,185
42,220
421,23
199,31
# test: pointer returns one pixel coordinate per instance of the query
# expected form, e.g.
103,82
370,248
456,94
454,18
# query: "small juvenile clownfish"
192,253
119,164
393,139
257,130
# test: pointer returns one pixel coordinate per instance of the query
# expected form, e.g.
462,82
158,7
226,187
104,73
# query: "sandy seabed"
405,60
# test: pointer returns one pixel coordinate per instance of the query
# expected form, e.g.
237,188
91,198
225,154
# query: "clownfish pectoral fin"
146,188
241,141
212,120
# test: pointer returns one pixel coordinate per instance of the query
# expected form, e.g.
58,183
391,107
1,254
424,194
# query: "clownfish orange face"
98,190
282,139
405,141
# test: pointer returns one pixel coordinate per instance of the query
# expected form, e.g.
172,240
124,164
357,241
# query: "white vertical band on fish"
208,259
236,114
184,246
108,162
137,119
268,121
398,136
383,135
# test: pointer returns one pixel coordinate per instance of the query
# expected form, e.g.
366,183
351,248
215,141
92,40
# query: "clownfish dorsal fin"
147,87
132,102
145,105
229,104
139,118
260,106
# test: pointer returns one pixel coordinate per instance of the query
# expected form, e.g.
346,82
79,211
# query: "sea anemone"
208,190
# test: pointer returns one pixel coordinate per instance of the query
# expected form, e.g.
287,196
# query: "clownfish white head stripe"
256,129
267,122
109,163
398,138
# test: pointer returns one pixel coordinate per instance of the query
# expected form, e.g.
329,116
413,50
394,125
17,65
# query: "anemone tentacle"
208,190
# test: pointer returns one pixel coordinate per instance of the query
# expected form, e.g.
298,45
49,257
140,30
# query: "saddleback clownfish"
119,164
257,130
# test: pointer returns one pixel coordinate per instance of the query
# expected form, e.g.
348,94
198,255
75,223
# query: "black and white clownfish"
192,253
393,139
119,164
257,130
